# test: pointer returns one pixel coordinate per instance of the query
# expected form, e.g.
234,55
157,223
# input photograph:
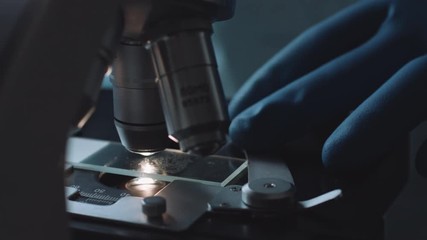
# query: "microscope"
166,45
53,56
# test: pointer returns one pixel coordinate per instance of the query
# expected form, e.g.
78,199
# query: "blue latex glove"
368,60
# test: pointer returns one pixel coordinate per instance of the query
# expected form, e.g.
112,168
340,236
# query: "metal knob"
153,206
268,193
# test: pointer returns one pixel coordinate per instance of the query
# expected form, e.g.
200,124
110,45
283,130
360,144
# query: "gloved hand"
367,63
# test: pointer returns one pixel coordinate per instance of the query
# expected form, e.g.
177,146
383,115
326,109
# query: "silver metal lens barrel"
191,92
137,109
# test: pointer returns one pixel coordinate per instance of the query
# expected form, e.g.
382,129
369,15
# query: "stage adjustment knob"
154,206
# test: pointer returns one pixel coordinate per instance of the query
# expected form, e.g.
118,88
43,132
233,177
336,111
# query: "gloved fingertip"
248,130
238,129
247,135
339,155
331,156
268,124
232,109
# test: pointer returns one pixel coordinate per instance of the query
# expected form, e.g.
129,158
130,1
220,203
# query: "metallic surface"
137,110
153,206
270,184
182,211
260,166
229,200
191,93
228,214
271,193
178,33
334,194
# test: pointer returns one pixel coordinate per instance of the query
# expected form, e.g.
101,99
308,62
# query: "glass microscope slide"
167,165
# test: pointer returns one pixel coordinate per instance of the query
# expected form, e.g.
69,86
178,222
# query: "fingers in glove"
387,115
330,91
316,46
